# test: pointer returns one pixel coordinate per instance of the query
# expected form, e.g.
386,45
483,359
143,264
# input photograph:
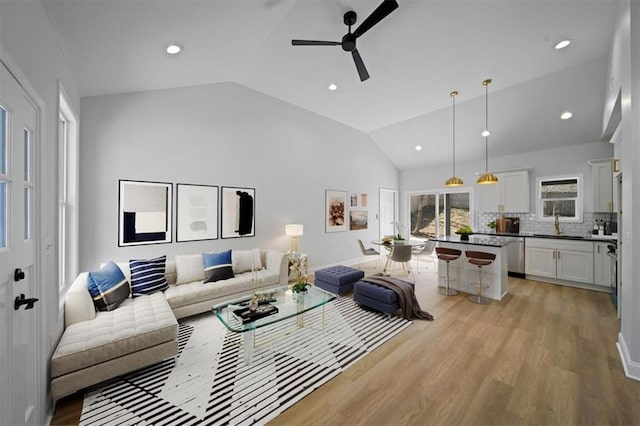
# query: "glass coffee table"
287,306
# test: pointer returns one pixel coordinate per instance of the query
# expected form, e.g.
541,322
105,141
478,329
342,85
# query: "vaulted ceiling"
416,57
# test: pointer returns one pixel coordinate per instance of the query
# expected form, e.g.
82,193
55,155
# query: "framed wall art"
196,212
144,212
335,210
238,212
358,220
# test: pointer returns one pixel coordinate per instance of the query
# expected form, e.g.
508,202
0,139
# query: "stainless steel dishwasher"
515,256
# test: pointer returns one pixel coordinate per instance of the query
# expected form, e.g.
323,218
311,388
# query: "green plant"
299,287
492,224
464,230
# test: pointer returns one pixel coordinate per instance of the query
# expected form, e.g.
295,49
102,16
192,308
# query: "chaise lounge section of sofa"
99,345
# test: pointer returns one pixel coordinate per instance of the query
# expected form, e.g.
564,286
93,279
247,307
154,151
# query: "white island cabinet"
465,274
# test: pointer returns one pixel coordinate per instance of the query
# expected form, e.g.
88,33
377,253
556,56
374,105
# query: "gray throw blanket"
406,297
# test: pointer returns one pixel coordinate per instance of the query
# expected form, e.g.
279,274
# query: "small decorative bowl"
464,236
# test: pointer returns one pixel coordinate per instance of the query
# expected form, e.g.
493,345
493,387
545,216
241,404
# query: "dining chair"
368,252
426,250
401,253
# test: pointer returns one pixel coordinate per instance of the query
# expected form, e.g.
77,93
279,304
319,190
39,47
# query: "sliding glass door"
438,213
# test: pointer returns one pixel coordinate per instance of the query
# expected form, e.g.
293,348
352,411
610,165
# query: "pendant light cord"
453,97
486,124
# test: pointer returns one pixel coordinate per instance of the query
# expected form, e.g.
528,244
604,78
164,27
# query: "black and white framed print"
238,212
144,212
335,211
196,212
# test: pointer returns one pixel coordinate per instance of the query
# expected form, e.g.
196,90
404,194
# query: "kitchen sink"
566,237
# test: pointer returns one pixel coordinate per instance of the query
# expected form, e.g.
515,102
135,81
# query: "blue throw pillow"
217,266
108,287
147,276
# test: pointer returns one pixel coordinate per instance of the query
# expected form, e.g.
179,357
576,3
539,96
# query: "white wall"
28,41
226,135
627,40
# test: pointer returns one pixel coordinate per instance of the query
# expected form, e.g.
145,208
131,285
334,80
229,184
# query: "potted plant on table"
464,233
298,266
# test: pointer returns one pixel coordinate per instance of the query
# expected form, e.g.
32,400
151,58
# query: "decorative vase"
464,237
253,305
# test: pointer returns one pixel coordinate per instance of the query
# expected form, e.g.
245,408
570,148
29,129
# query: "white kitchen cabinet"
510,194
566,260
601,264
602,182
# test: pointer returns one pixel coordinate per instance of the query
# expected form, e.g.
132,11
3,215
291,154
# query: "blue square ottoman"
376,297
337,279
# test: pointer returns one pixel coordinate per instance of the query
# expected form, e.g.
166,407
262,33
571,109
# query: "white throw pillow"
245,260
189,268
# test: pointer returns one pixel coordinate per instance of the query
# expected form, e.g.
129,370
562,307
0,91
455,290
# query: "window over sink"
560,196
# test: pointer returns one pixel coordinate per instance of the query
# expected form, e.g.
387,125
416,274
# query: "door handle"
23,300
18,275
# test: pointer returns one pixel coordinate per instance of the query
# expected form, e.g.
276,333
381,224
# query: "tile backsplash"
529,224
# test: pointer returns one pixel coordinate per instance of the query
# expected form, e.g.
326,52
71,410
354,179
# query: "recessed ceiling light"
485,133
566,115
418,148
562,44
332,87
173,49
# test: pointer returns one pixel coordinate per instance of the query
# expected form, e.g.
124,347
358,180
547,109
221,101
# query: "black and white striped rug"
209,384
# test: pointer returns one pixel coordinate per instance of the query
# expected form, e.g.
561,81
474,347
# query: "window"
67,194
561,197
436,214
4,177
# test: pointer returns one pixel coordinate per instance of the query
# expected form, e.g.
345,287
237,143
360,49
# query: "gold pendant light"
454,180
486,178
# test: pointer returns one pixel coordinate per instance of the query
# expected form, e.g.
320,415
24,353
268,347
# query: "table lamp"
294,230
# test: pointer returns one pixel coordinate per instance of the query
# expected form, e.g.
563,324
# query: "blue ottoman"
376,297
337,279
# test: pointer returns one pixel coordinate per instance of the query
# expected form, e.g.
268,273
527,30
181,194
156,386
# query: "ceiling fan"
348,42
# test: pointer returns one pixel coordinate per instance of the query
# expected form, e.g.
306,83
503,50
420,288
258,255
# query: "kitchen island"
464,274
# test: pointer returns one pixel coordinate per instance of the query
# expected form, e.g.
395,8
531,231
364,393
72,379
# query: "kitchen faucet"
557,225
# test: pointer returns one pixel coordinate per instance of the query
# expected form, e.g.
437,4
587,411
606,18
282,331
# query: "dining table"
389,246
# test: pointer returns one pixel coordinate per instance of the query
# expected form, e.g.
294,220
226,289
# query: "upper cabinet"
510,194
602,181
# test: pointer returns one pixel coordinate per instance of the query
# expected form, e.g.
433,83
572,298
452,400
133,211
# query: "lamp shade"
293,230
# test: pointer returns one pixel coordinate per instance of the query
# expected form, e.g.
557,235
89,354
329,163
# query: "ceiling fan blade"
381,12
315,43
362,70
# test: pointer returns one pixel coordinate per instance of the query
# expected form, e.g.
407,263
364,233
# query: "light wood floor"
544,355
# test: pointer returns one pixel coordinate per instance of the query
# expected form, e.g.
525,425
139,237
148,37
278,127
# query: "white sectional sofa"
99,345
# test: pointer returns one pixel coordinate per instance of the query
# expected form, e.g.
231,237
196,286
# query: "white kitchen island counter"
465,273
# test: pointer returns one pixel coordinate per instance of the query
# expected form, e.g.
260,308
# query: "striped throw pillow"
147,276
108,287
217,266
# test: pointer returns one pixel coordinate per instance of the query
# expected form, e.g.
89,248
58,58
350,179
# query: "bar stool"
448,255
480,259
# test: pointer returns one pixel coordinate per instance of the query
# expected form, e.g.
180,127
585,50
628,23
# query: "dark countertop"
551,236
478,240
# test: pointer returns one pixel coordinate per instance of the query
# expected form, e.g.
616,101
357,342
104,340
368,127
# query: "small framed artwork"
354,200
196,212
363,199
358,220
335,210
238,212
144,212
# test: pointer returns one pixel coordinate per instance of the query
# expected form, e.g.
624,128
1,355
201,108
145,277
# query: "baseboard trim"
631,368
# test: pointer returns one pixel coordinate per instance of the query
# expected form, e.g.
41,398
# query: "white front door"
18,327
